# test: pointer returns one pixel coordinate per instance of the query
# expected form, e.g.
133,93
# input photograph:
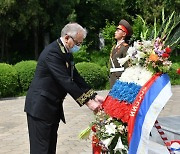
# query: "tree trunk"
176,53
2,47
36,42
7,49
46,39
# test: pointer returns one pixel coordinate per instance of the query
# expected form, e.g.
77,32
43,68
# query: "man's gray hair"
72,29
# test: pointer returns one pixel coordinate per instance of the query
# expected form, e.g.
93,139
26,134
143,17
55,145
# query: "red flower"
117,109
168,50
178,71
165,55
93,128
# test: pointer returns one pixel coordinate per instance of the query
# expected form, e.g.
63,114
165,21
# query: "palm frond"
163,16
144,28
168,24
155,28
165,26
174,36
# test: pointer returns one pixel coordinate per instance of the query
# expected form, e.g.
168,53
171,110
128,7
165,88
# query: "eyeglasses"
118,29
76,42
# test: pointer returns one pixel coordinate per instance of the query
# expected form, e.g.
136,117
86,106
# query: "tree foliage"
27,26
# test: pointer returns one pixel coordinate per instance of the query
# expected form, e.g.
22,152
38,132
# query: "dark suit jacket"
55,76
118,52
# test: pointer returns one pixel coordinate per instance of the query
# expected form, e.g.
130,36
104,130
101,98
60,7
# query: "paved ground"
13,126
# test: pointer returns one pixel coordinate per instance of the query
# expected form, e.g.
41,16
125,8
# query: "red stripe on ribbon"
137,103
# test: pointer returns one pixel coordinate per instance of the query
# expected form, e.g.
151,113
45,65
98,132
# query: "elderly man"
55,76
123,31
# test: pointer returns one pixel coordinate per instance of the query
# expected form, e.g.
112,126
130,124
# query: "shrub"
25,71
93,74
99,58
174,77
82,55
8,80
106,73
108,35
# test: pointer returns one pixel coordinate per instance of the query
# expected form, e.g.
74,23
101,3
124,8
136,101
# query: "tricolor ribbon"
149,102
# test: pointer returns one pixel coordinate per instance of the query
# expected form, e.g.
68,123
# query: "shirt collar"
62,45
119,43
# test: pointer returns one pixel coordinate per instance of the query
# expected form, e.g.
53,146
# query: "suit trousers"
42,135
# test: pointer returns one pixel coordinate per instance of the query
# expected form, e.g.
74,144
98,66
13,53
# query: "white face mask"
75,48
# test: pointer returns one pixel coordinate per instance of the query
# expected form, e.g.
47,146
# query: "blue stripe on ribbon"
149,97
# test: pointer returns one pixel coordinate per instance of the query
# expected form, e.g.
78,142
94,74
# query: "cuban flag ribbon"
149,102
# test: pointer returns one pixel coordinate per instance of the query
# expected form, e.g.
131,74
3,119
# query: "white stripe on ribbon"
151,117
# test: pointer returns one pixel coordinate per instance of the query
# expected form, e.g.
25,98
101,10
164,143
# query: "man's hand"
93,105
99,98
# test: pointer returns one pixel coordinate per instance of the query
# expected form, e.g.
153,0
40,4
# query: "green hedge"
81,56
26,70
93,74
8,81
174,77
18,78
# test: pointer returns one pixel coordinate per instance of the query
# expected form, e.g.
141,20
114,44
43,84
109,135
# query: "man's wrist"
85,97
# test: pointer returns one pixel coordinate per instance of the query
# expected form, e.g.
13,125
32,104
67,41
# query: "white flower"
147,44
109,119
139,55
110,129
136,74
131,50
128,74
137,45
149,50
121,61
119,146
107,142
135,61
121,128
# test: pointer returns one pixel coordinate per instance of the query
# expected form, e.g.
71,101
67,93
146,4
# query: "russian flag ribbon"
149,102
137,103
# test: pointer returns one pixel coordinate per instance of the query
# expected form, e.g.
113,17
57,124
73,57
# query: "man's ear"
66,38
124,34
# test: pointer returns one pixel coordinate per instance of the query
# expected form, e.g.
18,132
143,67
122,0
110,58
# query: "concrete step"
155,148
171,128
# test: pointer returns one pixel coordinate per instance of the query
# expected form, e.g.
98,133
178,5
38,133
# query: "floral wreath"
148,63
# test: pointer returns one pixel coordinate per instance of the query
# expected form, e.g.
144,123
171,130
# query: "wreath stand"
97,146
